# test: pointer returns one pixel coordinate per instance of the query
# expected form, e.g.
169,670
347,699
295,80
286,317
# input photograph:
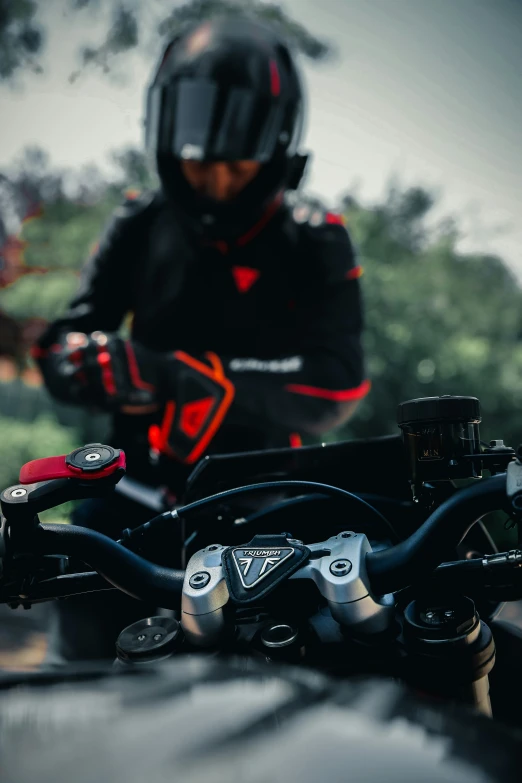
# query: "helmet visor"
198,120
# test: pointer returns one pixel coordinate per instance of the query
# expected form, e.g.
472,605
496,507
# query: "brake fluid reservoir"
440,435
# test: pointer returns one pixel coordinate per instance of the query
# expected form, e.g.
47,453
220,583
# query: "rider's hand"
106,371
121,374
198,397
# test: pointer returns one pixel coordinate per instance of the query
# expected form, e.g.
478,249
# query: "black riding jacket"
280,306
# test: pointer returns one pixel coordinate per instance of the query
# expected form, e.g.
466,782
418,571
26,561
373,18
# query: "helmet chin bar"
218,577
229,219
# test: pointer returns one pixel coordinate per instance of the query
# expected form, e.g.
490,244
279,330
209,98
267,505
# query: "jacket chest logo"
245,277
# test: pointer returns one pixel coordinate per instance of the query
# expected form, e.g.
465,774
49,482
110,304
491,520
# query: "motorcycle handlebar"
392,569
389,570
128,572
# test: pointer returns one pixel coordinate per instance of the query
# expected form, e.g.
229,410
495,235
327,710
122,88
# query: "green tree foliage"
438,321
39,296
132,24
21,37
21,443
66,226
134,169
270,13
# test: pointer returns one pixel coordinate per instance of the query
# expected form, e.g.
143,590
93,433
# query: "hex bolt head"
19,492
199,580
340,567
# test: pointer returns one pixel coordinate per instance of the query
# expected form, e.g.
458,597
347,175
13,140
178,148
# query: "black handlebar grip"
392,569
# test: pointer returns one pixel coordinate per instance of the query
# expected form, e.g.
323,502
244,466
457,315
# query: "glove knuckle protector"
203,397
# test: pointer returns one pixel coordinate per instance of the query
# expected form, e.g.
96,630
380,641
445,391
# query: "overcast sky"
428,89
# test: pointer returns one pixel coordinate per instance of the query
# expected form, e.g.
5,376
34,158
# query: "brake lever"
88,472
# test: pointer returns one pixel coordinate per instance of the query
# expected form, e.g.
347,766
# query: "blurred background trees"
132,24
438,321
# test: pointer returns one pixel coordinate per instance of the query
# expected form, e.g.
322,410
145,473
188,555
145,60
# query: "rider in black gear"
246,313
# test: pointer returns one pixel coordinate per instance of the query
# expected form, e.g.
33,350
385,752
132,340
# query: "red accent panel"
193,415
275,81
353,274
107,375
259,226
155,440
333,219
55,467
37,352
217,366
218,375
244,277
329,394
44,469
159,436
134,370
295,440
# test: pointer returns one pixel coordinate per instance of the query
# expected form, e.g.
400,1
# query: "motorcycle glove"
102,370
111,373
199,398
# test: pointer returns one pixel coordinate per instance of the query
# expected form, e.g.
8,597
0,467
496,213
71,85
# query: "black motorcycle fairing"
356,465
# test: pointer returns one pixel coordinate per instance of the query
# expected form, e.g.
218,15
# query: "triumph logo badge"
255,564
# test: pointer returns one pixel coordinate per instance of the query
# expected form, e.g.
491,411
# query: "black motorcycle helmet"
227,89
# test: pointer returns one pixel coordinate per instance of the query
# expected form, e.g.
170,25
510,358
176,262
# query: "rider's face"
222,180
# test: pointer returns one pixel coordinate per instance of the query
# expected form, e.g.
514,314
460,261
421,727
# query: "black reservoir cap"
443,409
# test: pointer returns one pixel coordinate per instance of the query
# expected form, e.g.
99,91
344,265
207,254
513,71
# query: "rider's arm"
103,298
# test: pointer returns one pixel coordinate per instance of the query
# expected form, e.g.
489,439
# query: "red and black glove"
199,396
101,369
117,375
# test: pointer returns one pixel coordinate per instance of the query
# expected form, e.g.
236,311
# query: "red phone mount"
88,472
90,462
